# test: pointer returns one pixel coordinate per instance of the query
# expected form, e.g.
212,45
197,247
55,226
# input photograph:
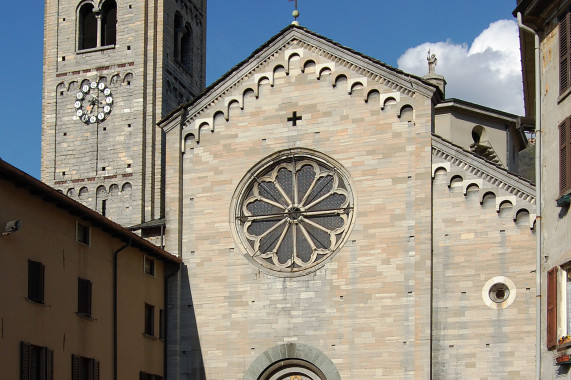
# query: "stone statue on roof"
431,58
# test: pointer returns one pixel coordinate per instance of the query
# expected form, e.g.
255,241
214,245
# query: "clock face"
93,103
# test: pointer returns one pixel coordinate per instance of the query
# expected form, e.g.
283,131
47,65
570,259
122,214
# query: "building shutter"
565,156
49,364
25,361
74,367
35,281
83,297
552,307
95,369
564,52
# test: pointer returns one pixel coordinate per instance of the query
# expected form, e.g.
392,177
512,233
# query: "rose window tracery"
294,213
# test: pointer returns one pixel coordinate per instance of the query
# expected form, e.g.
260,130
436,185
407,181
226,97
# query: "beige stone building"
327,231
82,298
545,60
336,217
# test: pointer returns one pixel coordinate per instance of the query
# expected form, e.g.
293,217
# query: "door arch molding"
291,359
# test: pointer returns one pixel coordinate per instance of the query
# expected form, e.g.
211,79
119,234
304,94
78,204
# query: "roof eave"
49,194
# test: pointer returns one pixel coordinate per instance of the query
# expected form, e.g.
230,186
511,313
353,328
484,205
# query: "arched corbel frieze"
290,54
388,97
229,100
440,165
307,65
324,68
351,83
372,95
258,78
486,193
473,182
511,199
186,137
405,108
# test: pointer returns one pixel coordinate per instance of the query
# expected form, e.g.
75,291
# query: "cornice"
374,70
492,174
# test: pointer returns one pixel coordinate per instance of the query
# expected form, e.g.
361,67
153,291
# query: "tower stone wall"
109,163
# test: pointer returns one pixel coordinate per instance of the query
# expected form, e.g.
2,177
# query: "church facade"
321,220
335,217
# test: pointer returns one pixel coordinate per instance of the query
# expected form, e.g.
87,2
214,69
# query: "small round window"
293,211
499,292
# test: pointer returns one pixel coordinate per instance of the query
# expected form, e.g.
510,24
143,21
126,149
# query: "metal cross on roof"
295,12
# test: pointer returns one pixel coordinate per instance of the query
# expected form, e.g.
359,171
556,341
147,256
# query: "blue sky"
382,29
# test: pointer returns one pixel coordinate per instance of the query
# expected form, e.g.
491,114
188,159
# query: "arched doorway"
292,369
292,361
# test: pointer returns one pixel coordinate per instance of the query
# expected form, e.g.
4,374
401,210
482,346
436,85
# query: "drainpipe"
537,199
115,254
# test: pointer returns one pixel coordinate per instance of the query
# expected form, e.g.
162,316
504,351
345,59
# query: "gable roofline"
50,195
493,173
413,82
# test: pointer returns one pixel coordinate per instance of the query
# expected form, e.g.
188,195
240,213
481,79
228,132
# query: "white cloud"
488,72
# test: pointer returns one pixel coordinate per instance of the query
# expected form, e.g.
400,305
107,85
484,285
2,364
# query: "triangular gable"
308,48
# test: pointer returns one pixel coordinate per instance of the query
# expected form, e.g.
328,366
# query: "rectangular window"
36,271
83,234
565,156
84,297
83,368
36,363
564,51
149,320
162,331
552,308
148,376
558,305
149,266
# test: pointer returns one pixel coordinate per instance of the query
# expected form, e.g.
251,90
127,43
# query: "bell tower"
112,70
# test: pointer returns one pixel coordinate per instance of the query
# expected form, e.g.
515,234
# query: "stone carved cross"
294,118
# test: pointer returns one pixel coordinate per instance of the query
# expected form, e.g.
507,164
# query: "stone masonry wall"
368,308
482,236
110,165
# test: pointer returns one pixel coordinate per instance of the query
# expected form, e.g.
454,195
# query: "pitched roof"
297,31
50,195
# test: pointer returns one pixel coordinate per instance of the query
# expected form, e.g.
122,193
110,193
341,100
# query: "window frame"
46,361
82,13
564,130
83,233
102,25
149,327
36,281
84,297
78,363
558,318
564,26
106,10
152,266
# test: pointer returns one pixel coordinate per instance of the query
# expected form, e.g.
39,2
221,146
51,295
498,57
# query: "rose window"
294,213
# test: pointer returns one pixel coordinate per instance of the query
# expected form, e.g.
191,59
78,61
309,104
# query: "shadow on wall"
184,351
